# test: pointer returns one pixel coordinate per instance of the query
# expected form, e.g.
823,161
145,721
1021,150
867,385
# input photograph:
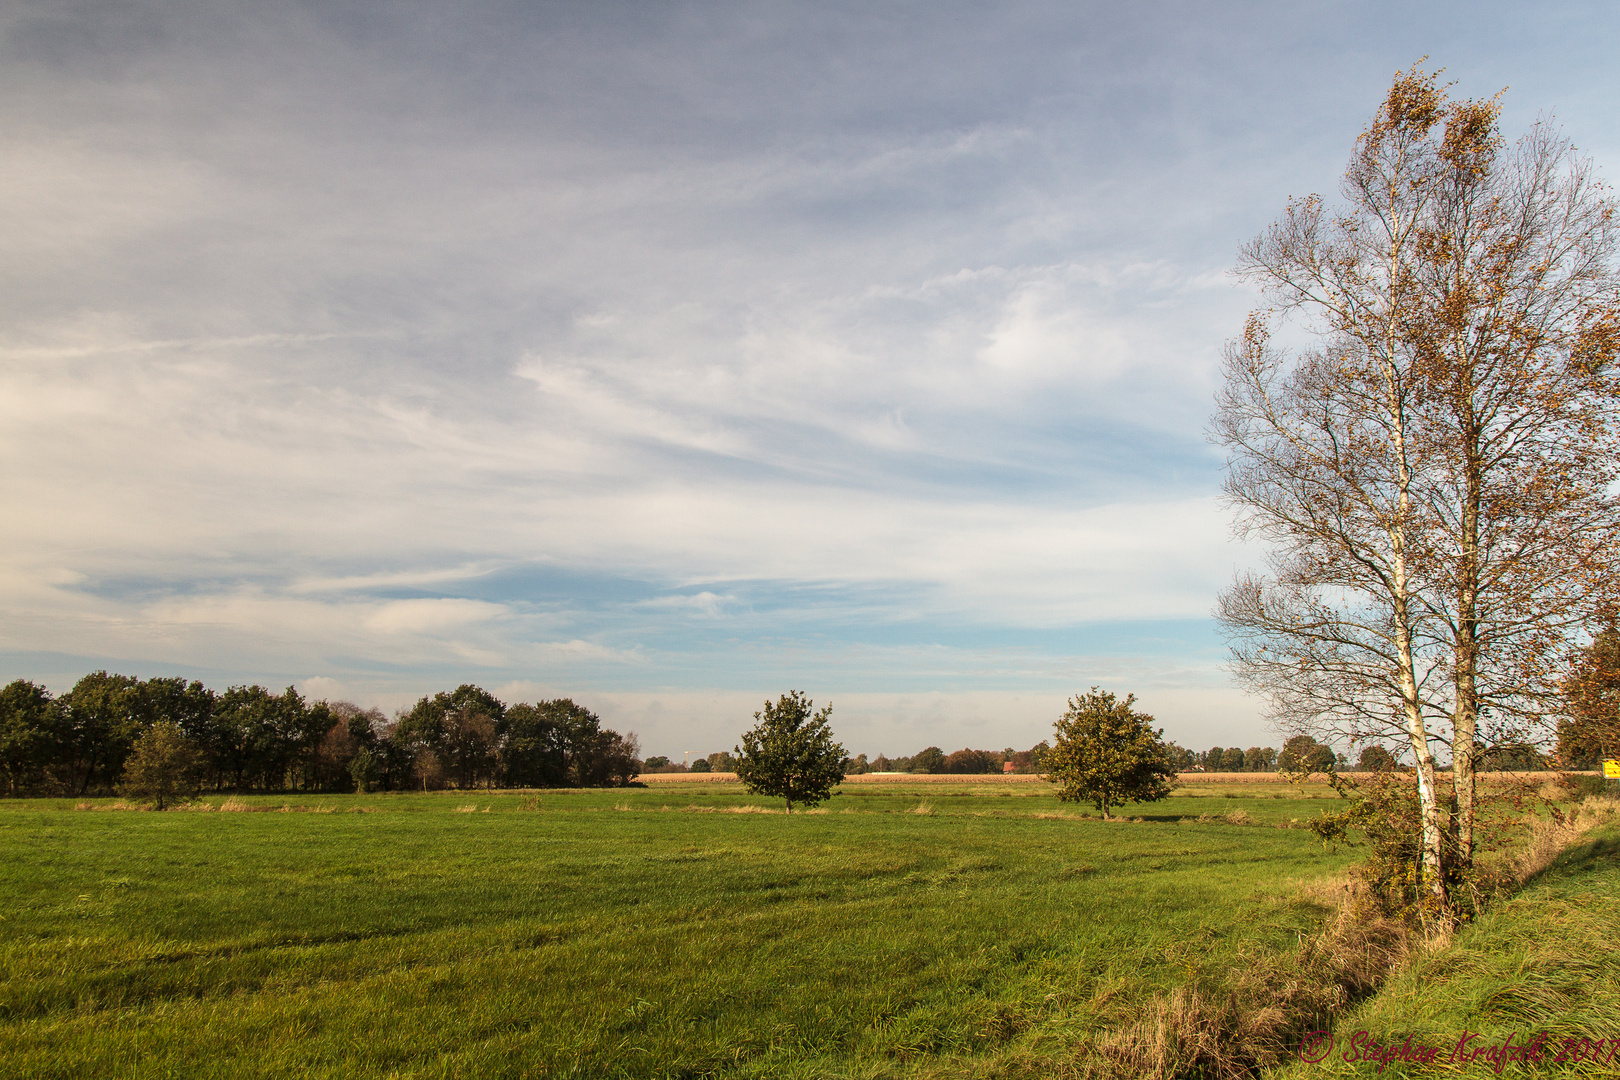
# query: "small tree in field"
790,753
1106,753
163,764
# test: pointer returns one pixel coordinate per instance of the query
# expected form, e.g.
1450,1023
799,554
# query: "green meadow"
669,931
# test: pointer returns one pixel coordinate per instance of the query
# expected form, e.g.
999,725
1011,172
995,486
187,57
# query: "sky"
669,356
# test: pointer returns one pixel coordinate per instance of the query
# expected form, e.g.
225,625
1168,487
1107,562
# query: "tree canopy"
250,738
1106,753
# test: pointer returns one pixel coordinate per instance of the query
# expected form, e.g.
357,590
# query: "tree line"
249,738
1301,752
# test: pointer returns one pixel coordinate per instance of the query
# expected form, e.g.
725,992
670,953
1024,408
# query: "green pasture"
909,930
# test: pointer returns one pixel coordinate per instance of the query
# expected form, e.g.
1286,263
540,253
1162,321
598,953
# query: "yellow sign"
1611,768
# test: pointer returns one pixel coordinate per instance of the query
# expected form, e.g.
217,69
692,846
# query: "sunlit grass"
642,932
1542,963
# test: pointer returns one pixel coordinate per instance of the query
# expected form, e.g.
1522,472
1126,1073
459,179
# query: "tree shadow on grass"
1601,852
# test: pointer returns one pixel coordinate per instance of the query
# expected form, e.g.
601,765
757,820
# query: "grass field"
911,929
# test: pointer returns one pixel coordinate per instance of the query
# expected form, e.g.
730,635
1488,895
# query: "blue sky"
668,356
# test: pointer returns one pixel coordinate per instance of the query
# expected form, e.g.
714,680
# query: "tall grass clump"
1228,1028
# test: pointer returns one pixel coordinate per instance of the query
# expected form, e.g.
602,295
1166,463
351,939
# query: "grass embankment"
922,930
1540,964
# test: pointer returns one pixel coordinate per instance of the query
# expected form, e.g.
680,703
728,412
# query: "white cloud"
432,616
308,338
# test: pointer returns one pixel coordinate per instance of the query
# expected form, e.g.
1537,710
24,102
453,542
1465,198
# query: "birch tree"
1324,459
1433,474
1515,340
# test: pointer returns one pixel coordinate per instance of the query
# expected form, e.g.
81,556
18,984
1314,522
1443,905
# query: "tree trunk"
1432,873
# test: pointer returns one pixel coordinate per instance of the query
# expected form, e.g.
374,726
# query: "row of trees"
1104,752
249,738
1435,474
1301,752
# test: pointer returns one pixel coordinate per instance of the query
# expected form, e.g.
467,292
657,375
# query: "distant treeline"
1302,752
250,739
934,760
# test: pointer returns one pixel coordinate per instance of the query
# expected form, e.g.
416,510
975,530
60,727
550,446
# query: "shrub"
162,765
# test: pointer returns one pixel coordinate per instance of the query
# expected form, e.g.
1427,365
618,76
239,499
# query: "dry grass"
1231,817
229,806
1228,1031
1550,836
1255,1021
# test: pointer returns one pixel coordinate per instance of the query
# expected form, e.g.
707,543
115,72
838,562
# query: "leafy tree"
351,733
700,765
597,756
790,752
722,762
162,765
263,739
558,743
460,728
534,746
191,705
1589,731
1106,753
363,769
1180,758
393,759
975,762
606,758
1511,757
105,715
928,760
470,746
31,725
657,761
1375,758
1303,753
